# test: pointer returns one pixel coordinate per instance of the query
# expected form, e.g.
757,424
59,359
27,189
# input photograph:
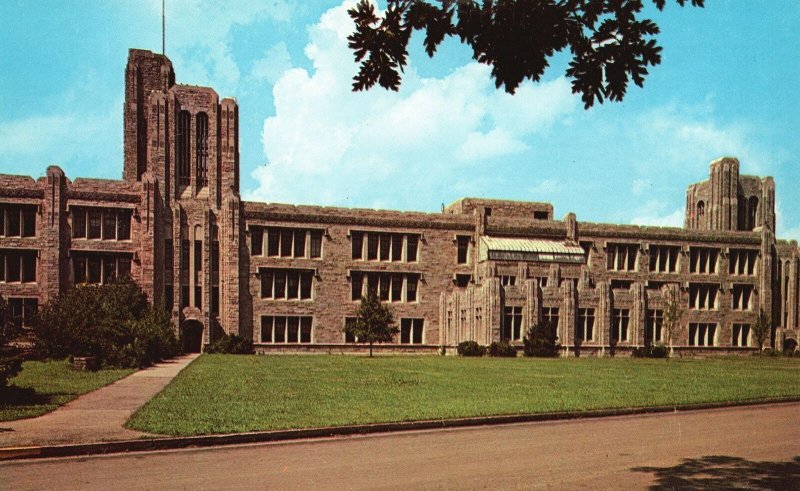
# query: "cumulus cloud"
198,36
657,213
276,60
328,145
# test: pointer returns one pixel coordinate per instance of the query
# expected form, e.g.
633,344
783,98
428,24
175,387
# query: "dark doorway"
789,346
192,337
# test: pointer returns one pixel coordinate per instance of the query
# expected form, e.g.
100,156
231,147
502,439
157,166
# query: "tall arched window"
183,139
752,213
701,211
201,131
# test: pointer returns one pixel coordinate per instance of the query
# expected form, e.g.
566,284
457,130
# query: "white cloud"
640,186
656,213
275,61
198,36
328,145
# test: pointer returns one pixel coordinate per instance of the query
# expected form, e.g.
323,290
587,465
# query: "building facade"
290,277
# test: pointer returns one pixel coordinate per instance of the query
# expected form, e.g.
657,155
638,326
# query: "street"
753,447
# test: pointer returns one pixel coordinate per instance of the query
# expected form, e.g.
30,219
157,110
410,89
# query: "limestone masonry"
290,277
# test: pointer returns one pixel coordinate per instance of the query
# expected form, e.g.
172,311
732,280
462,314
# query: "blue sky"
727,86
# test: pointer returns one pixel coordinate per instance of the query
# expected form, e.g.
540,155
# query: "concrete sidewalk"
98,416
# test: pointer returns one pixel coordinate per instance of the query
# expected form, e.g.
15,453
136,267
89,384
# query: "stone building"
291,277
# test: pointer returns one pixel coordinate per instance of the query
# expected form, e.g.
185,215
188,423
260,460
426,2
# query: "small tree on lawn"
762,328
541,340
374,322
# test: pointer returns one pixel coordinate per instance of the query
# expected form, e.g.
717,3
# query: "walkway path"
98,416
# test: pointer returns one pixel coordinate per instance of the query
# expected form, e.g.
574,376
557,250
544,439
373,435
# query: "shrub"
541,340
652,351
471,348
502,350
231,344
114,323
10,359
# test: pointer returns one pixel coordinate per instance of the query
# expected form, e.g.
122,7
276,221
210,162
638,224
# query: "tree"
10,358
113,323
374,322
609,43
762,328
542,340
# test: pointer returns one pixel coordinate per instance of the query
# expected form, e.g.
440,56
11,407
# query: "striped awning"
538,250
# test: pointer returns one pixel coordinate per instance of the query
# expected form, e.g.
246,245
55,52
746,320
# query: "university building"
290,277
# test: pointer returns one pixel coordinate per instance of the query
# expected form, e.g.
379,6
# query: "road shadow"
723,472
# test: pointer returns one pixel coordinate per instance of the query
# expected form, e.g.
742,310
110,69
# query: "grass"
228,393
42,386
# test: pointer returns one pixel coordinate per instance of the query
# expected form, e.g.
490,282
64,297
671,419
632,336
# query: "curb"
124,446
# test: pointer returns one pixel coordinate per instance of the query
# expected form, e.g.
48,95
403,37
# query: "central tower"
184,140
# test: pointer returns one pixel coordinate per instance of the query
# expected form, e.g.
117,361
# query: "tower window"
183,150
202,149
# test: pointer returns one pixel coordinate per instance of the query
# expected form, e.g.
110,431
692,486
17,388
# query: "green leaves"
610,45
374,321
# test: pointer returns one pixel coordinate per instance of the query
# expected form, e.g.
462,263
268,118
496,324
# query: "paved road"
754,447
98,415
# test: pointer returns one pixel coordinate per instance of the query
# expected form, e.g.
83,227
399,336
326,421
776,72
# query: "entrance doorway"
192,337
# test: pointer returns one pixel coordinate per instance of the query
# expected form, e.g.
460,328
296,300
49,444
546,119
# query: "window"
184,296
621,284
664,259
28,221
507,280
348,337
411,288
385,243
397,288
357,241
357,284
183,150
23,310
411,331
740,335
412,243
550,316
215,257
78,222
622,257
620,318
742,262
201,150
462,244
290,242
741,296
653,325
103,223
169,300
512,323
185,254
291,284
397,247
256,241
702,334
124,224
372,247
703,260
286,329
462,280
585,327
198,255
17,220
215,300
703,296
18,266
540,215
316,244
96,268
299,243
95,221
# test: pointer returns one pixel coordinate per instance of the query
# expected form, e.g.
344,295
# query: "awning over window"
535,250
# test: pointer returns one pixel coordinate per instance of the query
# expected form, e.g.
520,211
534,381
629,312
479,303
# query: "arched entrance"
192,336
789,345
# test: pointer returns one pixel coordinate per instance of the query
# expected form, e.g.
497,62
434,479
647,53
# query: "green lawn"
227,393
42,386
